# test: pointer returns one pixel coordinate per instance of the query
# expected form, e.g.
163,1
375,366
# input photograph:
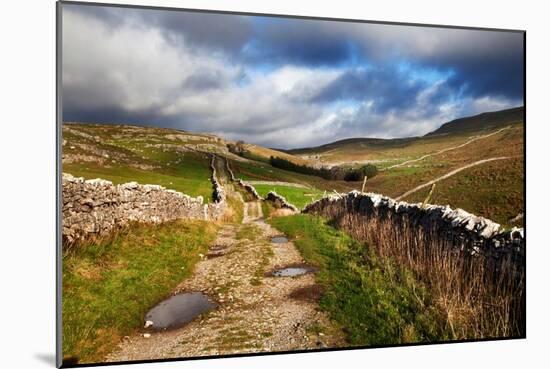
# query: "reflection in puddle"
279,239
292,271
178,310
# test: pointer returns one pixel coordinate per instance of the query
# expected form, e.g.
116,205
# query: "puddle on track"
292,271
178,310
279,239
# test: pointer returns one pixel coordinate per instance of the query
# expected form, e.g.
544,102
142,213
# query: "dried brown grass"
479,296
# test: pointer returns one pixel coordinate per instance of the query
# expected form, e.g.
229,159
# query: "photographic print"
241,184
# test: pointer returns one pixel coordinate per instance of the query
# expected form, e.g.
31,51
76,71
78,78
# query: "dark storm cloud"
205,80
273,80
298,41
485,62
114,114
385,85
226,32
490,74
218,31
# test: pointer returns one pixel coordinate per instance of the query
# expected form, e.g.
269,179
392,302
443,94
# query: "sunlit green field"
145,156
191,176
297,196
255,170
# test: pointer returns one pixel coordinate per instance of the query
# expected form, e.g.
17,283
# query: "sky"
280,82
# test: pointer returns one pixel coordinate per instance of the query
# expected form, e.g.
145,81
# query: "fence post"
428,197
364,183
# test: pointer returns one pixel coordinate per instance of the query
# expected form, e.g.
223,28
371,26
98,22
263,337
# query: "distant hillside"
484,121
360,142
481,122
179,160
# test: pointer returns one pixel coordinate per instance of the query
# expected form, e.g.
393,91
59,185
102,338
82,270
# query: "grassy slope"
374,300
188,172
263,154
494,190
190,176
108,288
299,197
387,151
489,120
254,170
390,150
130,158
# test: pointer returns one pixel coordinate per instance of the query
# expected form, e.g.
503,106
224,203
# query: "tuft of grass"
375,300
237,208
249,232
108,287
231,339
266,253
267,208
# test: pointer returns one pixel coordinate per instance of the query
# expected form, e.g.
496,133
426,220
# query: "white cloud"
490,103
135,68
108,68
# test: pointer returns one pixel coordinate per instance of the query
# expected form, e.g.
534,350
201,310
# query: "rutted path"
446,149
451,173
255,312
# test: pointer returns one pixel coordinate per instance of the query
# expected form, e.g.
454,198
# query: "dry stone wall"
246,186
466,259
230,171
279,201
218,194
249,188
97,207
465,232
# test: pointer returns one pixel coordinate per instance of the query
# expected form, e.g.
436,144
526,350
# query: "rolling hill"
175,159
478,123
493,189
179,160
483,121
